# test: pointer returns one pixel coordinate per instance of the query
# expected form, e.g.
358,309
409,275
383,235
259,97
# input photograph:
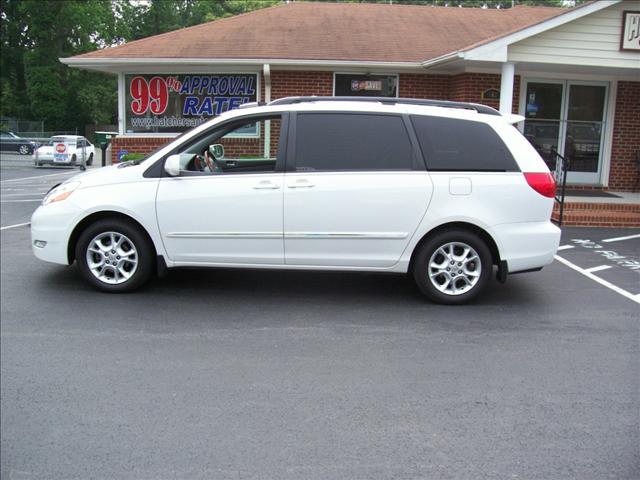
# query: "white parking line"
609,285
618,239
565,247
39,176
26,194
15,226
597,269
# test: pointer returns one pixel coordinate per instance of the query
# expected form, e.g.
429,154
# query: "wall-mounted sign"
630,31
175,103
361,85
491,94
358,85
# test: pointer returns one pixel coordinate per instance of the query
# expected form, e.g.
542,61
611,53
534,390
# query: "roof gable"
333,32
592,40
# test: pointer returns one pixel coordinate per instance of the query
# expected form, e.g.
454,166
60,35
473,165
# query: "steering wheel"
198,163
202,164
210,162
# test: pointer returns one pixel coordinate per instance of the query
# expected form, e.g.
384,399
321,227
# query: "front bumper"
52,225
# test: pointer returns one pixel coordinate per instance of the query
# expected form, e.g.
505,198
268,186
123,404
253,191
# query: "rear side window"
337,141
451,144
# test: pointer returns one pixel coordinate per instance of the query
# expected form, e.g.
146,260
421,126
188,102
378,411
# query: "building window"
358,85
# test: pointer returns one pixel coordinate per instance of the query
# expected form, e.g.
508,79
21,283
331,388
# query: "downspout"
266,73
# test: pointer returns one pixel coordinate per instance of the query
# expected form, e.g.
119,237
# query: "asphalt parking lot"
291,375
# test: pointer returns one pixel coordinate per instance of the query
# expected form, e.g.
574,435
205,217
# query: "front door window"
543,114
583,134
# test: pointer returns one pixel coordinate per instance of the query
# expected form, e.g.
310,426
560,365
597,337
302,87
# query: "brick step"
598,207
599,217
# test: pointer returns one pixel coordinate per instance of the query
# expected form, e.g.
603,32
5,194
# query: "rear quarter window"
451,144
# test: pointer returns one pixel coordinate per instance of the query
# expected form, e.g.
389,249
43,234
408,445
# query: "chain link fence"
51,149
24,128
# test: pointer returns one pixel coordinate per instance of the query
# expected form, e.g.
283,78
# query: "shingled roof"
335,31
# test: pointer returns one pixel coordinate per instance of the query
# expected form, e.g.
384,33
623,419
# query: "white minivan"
443,190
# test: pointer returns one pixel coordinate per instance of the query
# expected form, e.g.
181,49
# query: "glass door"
568,118
583,131
543,118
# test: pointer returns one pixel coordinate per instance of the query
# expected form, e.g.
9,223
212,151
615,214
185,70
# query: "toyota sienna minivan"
447,192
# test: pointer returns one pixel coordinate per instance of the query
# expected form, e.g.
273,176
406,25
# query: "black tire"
24,150
143,246
74,159
421,271
90,160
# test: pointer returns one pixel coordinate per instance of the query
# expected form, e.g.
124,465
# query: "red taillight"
543,183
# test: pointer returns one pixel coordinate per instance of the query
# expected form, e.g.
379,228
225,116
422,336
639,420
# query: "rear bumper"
49,161
527,246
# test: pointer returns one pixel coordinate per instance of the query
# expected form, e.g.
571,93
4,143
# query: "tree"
35,34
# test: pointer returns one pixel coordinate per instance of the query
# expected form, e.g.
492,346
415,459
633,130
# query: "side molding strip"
349,235
294,235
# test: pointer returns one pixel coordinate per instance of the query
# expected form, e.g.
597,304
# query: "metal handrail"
561,168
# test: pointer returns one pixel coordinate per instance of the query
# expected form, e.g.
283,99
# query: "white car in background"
64,150
448,192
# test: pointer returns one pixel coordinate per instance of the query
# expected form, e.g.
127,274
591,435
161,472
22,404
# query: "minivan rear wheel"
453,267
114,256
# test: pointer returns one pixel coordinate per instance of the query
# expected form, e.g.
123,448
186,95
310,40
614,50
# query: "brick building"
574,74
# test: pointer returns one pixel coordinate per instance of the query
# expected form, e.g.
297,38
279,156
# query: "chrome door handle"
301,184
266,186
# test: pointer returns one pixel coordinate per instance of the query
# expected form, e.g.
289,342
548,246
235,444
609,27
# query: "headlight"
61,192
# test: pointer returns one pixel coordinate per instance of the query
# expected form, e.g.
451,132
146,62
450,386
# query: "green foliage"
132,157
35,34
35,85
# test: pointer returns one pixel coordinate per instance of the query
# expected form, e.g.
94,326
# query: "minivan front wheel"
453,267
114,256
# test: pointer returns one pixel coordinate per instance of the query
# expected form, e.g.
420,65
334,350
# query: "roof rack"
252,104
391,101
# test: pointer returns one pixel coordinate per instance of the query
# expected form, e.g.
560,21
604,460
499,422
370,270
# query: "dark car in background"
10,142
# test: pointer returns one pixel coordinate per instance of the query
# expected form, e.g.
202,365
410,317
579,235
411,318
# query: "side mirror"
172,165
217,151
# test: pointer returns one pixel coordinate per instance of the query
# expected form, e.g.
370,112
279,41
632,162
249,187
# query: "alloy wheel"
454,268
112,257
